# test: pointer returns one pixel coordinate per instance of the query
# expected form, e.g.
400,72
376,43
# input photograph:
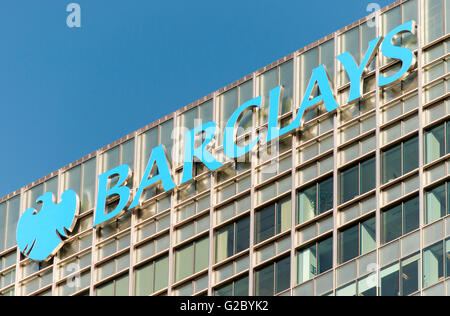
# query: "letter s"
404,54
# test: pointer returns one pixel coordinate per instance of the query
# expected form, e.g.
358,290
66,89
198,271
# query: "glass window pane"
161,273
264,281
410,155
242,234
392,224
287,80
12,216
224,242
389,281
241,287
349,184
447,256
144,280
392,164
2,226
325,196
434,20
184,262
435,144
89,179
284,209
201,255
306,204
325,255
435,204
433,269
367,177
410,276
307,264
283,275
348,244
265,223
368,235
122,285
411,214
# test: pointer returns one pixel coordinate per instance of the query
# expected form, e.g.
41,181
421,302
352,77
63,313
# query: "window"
356,42
357,180
281,75
322,54
229,102
273,220
152,277
400,160
232,239
9,217
235,288
274,278
314,260
434,19
315,200
191,259
117,287
437,142
433,264
400,220
82,179
402,278
436,203
357,240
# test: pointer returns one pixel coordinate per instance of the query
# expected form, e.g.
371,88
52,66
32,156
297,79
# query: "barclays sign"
40,234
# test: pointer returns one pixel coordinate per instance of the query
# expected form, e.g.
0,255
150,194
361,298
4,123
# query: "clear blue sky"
68,92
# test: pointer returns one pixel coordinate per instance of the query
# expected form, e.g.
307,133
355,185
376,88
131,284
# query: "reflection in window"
236,288
357,240
152,277
272,220
232,239
315,200
436,203
117,287
400,220
357,180
433,264
314,260
400,160
191,259
402,278
437,142
274,278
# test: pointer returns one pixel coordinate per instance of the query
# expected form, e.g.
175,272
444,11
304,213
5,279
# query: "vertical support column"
421,142
293,176
253,158
172,239
18,268
211,217
136,179
378,123
94,230
335,168
56,259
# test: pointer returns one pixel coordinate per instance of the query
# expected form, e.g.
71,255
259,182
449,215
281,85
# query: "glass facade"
356,202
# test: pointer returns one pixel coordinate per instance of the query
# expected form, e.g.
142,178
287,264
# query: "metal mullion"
378,64
253,181
335,170
94,229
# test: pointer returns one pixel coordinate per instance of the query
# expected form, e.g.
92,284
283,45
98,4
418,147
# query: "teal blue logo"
41,234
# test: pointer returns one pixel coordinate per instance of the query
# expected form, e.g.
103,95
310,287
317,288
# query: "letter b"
120,189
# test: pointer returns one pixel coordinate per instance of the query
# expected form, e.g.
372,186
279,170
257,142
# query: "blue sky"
68,92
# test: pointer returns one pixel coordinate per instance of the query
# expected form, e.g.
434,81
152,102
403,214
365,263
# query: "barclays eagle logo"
40,234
